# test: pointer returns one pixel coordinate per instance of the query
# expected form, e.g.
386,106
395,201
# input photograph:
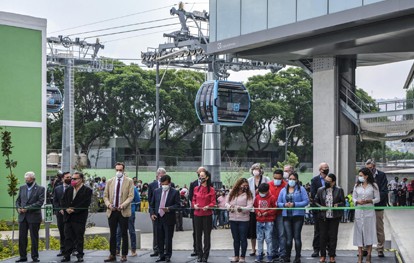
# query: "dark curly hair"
370,178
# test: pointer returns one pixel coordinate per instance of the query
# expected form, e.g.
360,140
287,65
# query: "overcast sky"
381,82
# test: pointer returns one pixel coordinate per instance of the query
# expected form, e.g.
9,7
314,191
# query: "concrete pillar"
334,140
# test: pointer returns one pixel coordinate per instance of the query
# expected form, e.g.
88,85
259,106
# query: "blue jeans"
278,238
293,229
224,218
132,235
215,216
264,232
239,233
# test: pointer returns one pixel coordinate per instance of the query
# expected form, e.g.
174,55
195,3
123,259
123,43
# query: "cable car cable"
133,30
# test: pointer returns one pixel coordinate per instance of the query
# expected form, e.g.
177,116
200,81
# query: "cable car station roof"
377,33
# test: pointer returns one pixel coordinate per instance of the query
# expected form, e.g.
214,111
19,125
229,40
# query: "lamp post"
288,135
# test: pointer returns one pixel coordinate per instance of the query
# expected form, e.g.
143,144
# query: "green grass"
179,178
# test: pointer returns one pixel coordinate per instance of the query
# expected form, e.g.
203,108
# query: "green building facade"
22,99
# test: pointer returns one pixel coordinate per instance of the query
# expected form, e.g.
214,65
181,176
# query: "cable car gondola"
54,99
224,103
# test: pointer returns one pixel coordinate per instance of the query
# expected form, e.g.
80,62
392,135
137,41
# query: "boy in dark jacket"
264,205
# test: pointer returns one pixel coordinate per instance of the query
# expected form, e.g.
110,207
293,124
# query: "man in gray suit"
31,198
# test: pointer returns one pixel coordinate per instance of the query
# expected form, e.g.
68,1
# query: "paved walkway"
398,225
216,256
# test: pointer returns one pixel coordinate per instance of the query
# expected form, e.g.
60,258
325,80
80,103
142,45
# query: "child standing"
265,216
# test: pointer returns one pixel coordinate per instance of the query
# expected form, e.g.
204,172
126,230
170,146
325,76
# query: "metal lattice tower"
70,55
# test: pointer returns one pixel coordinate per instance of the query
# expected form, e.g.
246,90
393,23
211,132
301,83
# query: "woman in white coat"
257,177
365,194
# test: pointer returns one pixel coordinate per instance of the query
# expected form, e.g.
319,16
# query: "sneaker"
259,260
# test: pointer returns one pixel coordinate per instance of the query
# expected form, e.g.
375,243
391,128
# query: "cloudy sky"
77,17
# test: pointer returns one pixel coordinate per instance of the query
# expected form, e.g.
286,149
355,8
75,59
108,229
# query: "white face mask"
361,179
277,182
165,187
262,195
285,175
119,174
256,172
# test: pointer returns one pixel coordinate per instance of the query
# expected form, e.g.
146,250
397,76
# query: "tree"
6,148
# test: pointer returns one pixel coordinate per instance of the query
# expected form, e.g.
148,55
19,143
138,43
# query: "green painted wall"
20,100
20,74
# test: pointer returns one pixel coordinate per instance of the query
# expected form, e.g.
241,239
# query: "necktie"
64,188
162,204
118,186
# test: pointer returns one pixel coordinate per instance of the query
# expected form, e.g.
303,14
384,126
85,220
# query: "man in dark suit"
190,197
57,197
317,182
382,182
151,188
163,205
76,201
31,198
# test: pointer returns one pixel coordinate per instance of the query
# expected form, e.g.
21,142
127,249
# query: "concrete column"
325,109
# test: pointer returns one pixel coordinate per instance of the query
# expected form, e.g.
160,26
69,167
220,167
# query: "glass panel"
212,20
254,16
367,2
228,19
340,5
311,8
281,12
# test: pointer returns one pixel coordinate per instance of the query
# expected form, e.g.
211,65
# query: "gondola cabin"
224,103
54,99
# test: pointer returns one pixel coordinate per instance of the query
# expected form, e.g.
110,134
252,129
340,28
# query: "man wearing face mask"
190,198
287,170
278,237
118,195
28,203
151,188
317,182
382,182
76,201
162,209
59,212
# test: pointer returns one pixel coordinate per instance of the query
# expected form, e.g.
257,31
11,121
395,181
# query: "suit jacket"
382,182
57,198
315,185
32,203
80,204
127,195
193,185
172,202
153,186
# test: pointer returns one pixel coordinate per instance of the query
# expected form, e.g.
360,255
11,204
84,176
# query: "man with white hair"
30,200
151,188
287,170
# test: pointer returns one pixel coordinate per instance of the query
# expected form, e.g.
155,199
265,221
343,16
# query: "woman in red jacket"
204,198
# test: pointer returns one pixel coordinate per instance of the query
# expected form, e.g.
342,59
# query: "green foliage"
292,160
96,243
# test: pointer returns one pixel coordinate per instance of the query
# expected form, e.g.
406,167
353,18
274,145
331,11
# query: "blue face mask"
292,183
277,182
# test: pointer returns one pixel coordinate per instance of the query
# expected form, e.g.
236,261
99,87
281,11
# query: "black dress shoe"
60,254
199,260
65,259
204,260
167,259
155,254
22,260
381,254
315,254
35,260
160,259
80,260
193,254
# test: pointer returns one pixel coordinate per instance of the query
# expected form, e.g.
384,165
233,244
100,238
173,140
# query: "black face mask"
202,180
67,181
103,181
327,185
326,171
29,184
244,189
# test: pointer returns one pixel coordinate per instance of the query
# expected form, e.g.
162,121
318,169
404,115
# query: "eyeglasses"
74,179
